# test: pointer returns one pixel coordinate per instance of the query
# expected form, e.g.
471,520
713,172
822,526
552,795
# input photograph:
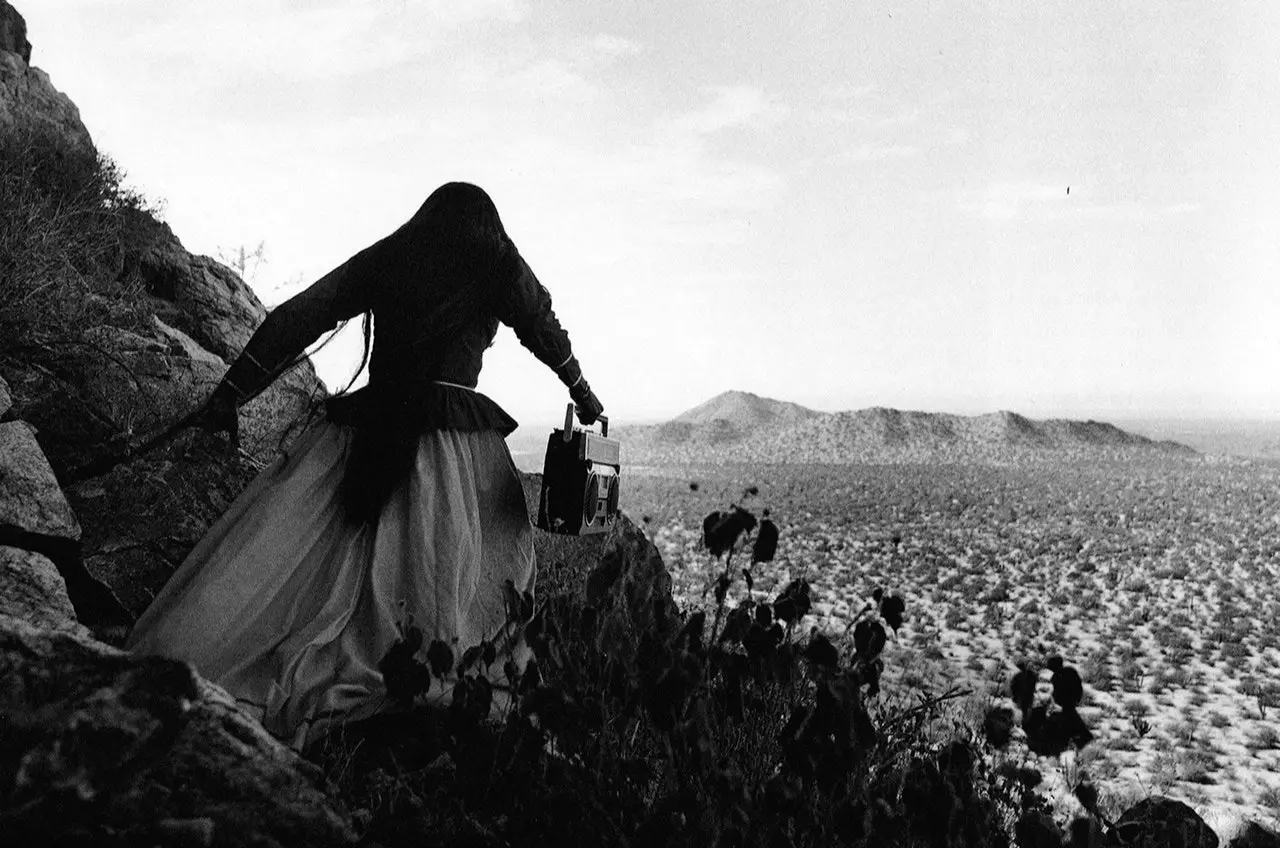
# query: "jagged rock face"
95,402
26,94
113,749
13,32
6,399
31,503
31,589
195,294
103,395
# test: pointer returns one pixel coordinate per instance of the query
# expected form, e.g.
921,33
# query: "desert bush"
64,211
1265,737
1197,767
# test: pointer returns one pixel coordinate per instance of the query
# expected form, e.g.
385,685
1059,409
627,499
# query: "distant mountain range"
743,427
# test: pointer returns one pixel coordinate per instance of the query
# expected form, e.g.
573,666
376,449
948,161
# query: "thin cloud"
874,152
1008,200
615,47
732,107
321,41
847,92
550,78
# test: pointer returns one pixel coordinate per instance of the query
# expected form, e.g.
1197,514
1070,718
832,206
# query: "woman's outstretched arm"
284,335
525,305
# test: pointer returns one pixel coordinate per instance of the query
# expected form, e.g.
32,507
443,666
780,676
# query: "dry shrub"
64,214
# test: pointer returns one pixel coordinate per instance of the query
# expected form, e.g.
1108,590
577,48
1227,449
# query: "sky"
1057,208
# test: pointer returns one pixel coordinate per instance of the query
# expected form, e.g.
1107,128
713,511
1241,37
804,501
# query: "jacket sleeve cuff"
570,373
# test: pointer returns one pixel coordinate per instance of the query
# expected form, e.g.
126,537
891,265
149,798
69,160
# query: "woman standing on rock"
401,505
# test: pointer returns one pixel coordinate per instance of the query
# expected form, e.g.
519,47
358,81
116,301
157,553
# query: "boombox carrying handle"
568,423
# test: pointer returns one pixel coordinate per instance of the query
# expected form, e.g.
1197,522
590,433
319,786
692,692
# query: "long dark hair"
434,275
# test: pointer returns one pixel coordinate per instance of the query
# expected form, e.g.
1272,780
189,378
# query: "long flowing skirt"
290,607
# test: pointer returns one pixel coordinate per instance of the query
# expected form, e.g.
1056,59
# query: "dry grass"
64,218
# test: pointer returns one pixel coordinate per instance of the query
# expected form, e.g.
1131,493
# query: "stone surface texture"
13,32
32,590
31,501
100,743
26,93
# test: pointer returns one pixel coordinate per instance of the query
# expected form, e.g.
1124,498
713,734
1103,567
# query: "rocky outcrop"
36,517
93,399
198,295
102,747
33,511
621,569
13,32
173,323
32,590
26,94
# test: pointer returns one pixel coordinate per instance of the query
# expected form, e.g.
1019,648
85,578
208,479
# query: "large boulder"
26,94
620,568
33,511
96,402
196,294
102,747
35,516
32,590
1159,822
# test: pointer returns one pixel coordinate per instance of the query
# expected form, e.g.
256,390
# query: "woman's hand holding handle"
588,405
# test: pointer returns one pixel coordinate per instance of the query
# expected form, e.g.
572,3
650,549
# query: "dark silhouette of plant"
997,726
1023,686
1068,690
766,544
721,530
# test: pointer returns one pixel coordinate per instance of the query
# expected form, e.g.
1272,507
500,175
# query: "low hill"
742,427
728,419
747,411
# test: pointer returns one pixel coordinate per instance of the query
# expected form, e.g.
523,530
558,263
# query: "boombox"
579,480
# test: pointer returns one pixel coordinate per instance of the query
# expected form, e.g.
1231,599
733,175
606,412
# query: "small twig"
928,705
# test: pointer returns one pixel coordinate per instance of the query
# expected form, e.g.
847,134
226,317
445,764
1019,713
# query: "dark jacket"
431,328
